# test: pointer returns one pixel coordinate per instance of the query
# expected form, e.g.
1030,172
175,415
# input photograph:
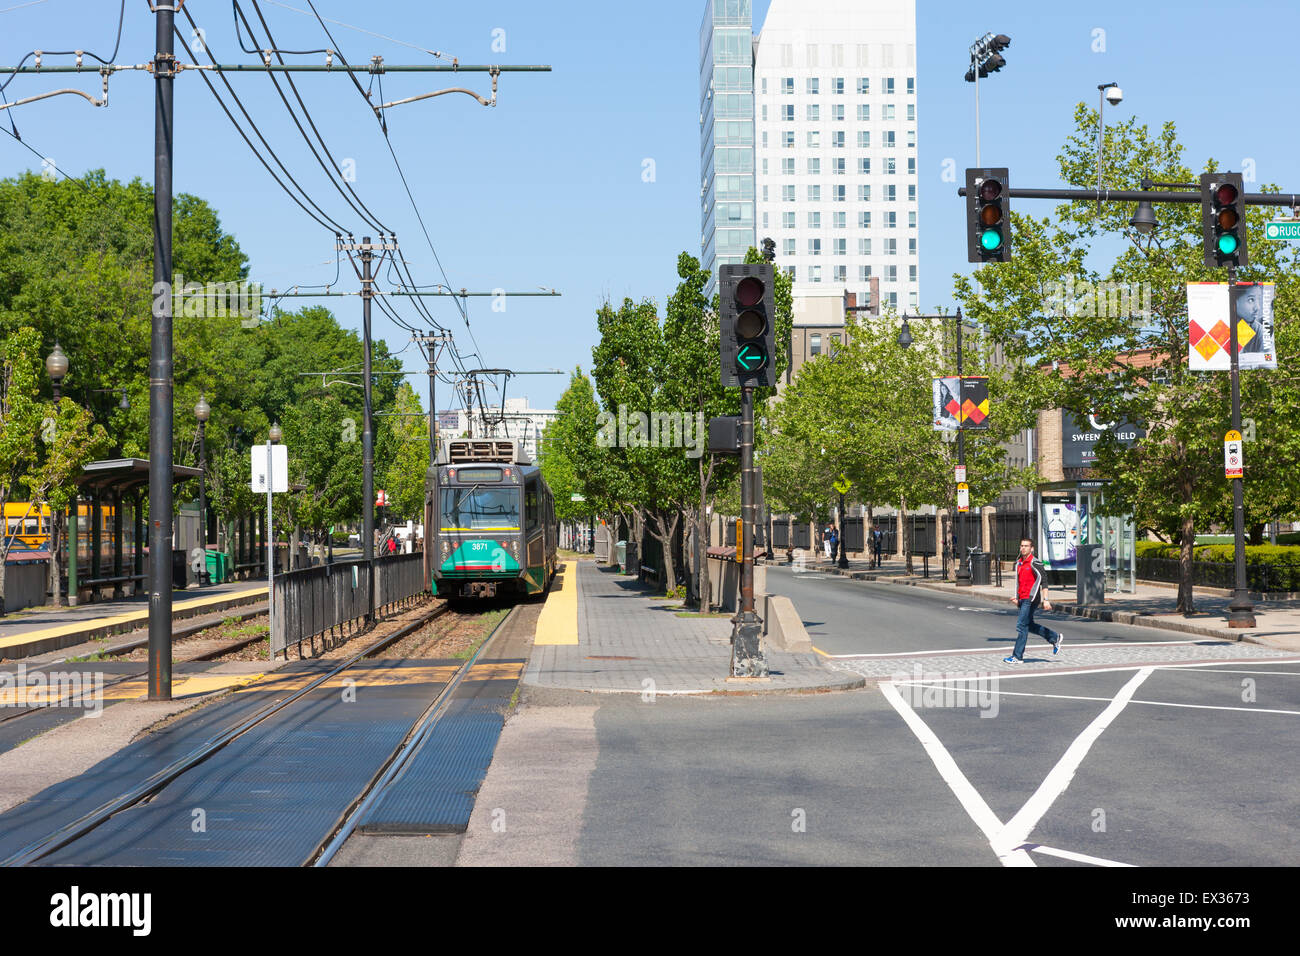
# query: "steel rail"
82,825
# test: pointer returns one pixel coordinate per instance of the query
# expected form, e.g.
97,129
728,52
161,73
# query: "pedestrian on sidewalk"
877,542
1029,595
826,542
835,543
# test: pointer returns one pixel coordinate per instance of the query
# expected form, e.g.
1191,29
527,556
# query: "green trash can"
217,566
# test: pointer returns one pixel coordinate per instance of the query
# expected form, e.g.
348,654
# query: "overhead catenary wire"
121,16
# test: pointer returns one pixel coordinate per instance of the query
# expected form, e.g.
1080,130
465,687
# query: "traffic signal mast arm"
1290,200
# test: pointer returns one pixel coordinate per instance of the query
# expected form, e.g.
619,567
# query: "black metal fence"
1264,578
315,601
1008,528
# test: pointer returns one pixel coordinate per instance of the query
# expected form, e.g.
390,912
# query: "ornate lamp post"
56,364
202,411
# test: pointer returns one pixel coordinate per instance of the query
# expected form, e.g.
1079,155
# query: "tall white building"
836,150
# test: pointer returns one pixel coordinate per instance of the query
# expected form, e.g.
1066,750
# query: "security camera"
1114,95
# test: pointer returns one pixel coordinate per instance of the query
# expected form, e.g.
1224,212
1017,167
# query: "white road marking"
992,650
1012,693
966,794
1274,673
1078,857
1018,828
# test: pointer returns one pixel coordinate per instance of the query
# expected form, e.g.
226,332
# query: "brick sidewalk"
631,642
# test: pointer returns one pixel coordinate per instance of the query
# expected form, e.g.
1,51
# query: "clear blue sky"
546,189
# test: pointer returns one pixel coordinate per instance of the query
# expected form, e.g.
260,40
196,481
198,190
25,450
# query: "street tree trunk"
905,532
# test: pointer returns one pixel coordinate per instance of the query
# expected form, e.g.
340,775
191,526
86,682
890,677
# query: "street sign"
279,469
960,472
1232,458
1282,229
963,497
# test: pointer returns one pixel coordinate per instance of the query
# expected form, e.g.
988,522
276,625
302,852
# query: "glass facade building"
726,134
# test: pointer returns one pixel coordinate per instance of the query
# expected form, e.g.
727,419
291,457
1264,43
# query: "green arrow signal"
750,357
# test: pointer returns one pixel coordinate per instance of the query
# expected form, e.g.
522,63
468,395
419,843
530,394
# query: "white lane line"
1083,670
1077,857
1018,828
998,650
966,794
1274,673
1013,693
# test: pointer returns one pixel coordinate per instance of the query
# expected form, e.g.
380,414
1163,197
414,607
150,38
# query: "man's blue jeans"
1025,624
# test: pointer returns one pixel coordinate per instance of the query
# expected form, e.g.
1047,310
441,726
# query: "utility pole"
160,365
434,344
1241,609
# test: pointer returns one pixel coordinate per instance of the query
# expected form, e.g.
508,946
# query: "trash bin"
620,555
980,568
180,569
217,563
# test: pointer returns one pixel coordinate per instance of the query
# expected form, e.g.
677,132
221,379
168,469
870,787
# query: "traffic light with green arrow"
748,325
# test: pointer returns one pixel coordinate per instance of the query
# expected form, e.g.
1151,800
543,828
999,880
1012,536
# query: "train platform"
604,632
1151,605
44,630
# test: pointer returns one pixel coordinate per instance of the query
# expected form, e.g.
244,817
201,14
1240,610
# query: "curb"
1110,617
847,683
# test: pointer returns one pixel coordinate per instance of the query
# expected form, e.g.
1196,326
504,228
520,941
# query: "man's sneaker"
1056,645
1012,660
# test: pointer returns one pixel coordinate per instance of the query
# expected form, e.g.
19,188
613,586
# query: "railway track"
70,832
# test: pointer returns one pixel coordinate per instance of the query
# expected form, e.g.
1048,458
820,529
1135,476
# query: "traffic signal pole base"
747,657
1241,611
963,579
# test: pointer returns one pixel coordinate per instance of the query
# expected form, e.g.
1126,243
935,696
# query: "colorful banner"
960,403
1211,306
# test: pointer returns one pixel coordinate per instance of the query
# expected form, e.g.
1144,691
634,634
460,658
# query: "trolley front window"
476,508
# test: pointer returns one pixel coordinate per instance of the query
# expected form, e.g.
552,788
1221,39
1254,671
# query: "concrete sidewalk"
1153,605
631,642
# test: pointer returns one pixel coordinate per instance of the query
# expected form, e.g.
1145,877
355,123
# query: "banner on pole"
1211,306
960,403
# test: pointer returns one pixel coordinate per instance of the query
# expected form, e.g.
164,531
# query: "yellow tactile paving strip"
558,622
141,616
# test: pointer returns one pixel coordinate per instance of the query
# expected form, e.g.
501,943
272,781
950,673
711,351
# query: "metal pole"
367,437
747,656
204,579
1101,125
1241,610
160,367
270,558
963,570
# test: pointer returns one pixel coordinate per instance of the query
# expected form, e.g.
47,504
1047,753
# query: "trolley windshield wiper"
455,508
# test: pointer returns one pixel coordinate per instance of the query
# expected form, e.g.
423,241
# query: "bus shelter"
1069,520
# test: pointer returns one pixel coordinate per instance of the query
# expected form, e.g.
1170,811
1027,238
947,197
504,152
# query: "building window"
864,220
891,166
787,138
889,86
764,89
787,220
764,220
837,86
911,112
864,113
814,273
841,272
787,194
911,220
841,247
911,247
837,139
765,167
891,220
911,193
814,247
911,165
864,192
787,85
814,138
911,274
864,273
864,247
814,166
810,54
765,120
891,273
787,246
814,220
815,344
891,193
888,109
837,166
787,112
891,247
840,220
864,165
814,113
837,54
787,166
765,139
789,270
835,336
911,85
864,85
814,193
812,86
838,193
764,194
864,139
837,112
889,139
914,299
911,138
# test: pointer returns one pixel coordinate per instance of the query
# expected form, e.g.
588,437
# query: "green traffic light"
1227,244
991,240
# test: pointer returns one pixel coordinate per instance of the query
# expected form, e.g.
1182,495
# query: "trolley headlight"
514,548
445,547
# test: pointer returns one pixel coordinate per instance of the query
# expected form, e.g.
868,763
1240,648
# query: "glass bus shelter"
1068,516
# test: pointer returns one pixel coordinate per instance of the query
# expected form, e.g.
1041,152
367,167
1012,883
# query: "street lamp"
56,364
905,340
202,411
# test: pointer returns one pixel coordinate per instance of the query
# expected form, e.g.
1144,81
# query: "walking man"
1029,594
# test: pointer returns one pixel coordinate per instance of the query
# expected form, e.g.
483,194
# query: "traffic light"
986,57
988,215
748,324
1223,220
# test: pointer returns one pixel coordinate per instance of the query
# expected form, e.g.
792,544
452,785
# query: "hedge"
1286,555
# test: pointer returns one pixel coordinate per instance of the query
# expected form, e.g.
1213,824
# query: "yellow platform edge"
558,622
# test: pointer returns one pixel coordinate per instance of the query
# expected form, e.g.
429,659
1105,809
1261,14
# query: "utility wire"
78,53
348,26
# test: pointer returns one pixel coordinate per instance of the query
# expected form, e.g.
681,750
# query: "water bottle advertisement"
1062,524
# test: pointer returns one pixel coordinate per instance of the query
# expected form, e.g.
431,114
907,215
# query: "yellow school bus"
28,525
